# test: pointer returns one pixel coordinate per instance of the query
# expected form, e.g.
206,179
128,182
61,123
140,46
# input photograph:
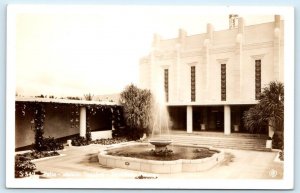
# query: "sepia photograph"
150,97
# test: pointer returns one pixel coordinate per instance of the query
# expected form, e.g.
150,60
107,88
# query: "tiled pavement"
82,162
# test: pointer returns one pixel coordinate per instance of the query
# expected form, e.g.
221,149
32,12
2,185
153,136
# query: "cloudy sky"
70,53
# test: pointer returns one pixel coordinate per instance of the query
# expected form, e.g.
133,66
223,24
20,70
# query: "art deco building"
209,80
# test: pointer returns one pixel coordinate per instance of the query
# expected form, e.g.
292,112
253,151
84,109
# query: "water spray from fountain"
160,136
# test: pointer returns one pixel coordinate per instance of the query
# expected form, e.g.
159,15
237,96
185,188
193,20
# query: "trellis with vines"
39,116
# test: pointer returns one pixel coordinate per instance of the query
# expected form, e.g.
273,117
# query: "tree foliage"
269,111
137,109
88,97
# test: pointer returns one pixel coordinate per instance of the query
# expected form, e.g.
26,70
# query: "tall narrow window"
193,84
166,84
257,79
223,82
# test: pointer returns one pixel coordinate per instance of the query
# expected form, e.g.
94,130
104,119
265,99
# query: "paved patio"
82,162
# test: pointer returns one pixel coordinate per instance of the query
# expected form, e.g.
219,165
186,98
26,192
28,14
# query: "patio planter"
202,127
69,142
269,144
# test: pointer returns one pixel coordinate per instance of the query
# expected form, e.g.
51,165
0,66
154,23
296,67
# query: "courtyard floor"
82,162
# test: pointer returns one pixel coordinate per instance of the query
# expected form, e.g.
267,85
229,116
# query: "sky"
72,53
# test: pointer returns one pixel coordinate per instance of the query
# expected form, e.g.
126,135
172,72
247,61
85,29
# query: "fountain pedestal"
160,144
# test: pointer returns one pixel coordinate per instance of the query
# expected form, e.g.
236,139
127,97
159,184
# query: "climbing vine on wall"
39,118
74,121
88,134
119,126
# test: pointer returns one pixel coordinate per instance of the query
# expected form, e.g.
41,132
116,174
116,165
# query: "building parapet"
66,101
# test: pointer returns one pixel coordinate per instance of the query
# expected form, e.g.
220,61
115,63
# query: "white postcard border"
286,183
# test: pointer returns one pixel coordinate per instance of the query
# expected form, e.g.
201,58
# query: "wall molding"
223,60
258,57
258,45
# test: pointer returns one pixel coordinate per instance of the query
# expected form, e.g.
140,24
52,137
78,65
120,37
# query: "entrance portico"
215,121
226,119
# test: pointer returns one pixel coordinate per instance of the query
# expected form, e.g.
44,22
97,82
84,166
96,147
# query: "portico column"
189,119
227,120
82,121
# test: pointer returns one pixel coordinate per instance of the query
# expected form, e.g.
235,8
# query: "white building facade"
209,80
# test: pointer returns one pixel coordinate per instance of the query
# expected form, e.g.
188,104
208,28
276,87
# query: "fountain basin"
157,166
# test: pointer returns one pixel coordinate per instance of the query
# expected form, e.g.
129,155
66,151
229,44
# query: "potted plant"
236,128
269,143
202,127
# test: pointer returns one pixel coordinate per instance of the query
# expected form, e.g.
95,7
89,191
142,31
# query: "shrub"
110,141
51,144
162,153
48,144
137,110
277,142
23,166
203,153
281,155
80,141
39,154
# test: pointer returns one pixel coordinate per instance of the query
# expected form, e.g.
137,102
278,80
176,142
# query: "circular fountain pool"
178,158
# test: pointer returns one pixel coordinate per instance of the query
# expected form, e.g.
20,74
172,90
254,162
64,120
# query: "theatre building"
209,80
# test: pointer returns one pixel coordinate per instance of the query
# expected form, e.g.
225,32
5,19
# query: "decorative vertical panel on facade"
223,82
166,84
257,78
193,84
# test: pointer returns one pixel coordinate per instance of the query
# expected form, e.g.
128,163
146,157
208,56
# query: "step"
227,142
257,144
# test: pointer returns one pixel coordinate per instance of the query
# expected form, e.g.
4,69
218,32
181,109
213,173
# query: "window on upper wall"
223,82
193,83
166,84
257,79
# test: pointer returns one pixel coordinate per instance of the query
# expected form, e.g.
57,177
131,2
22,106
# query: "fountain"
160,126
142,157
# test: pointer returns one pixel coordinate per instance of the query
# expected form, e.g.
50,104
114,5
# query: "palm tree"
255,120
269,110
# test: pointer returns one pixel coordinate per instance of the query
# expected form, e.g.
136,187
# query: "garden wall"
24,134
57,121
